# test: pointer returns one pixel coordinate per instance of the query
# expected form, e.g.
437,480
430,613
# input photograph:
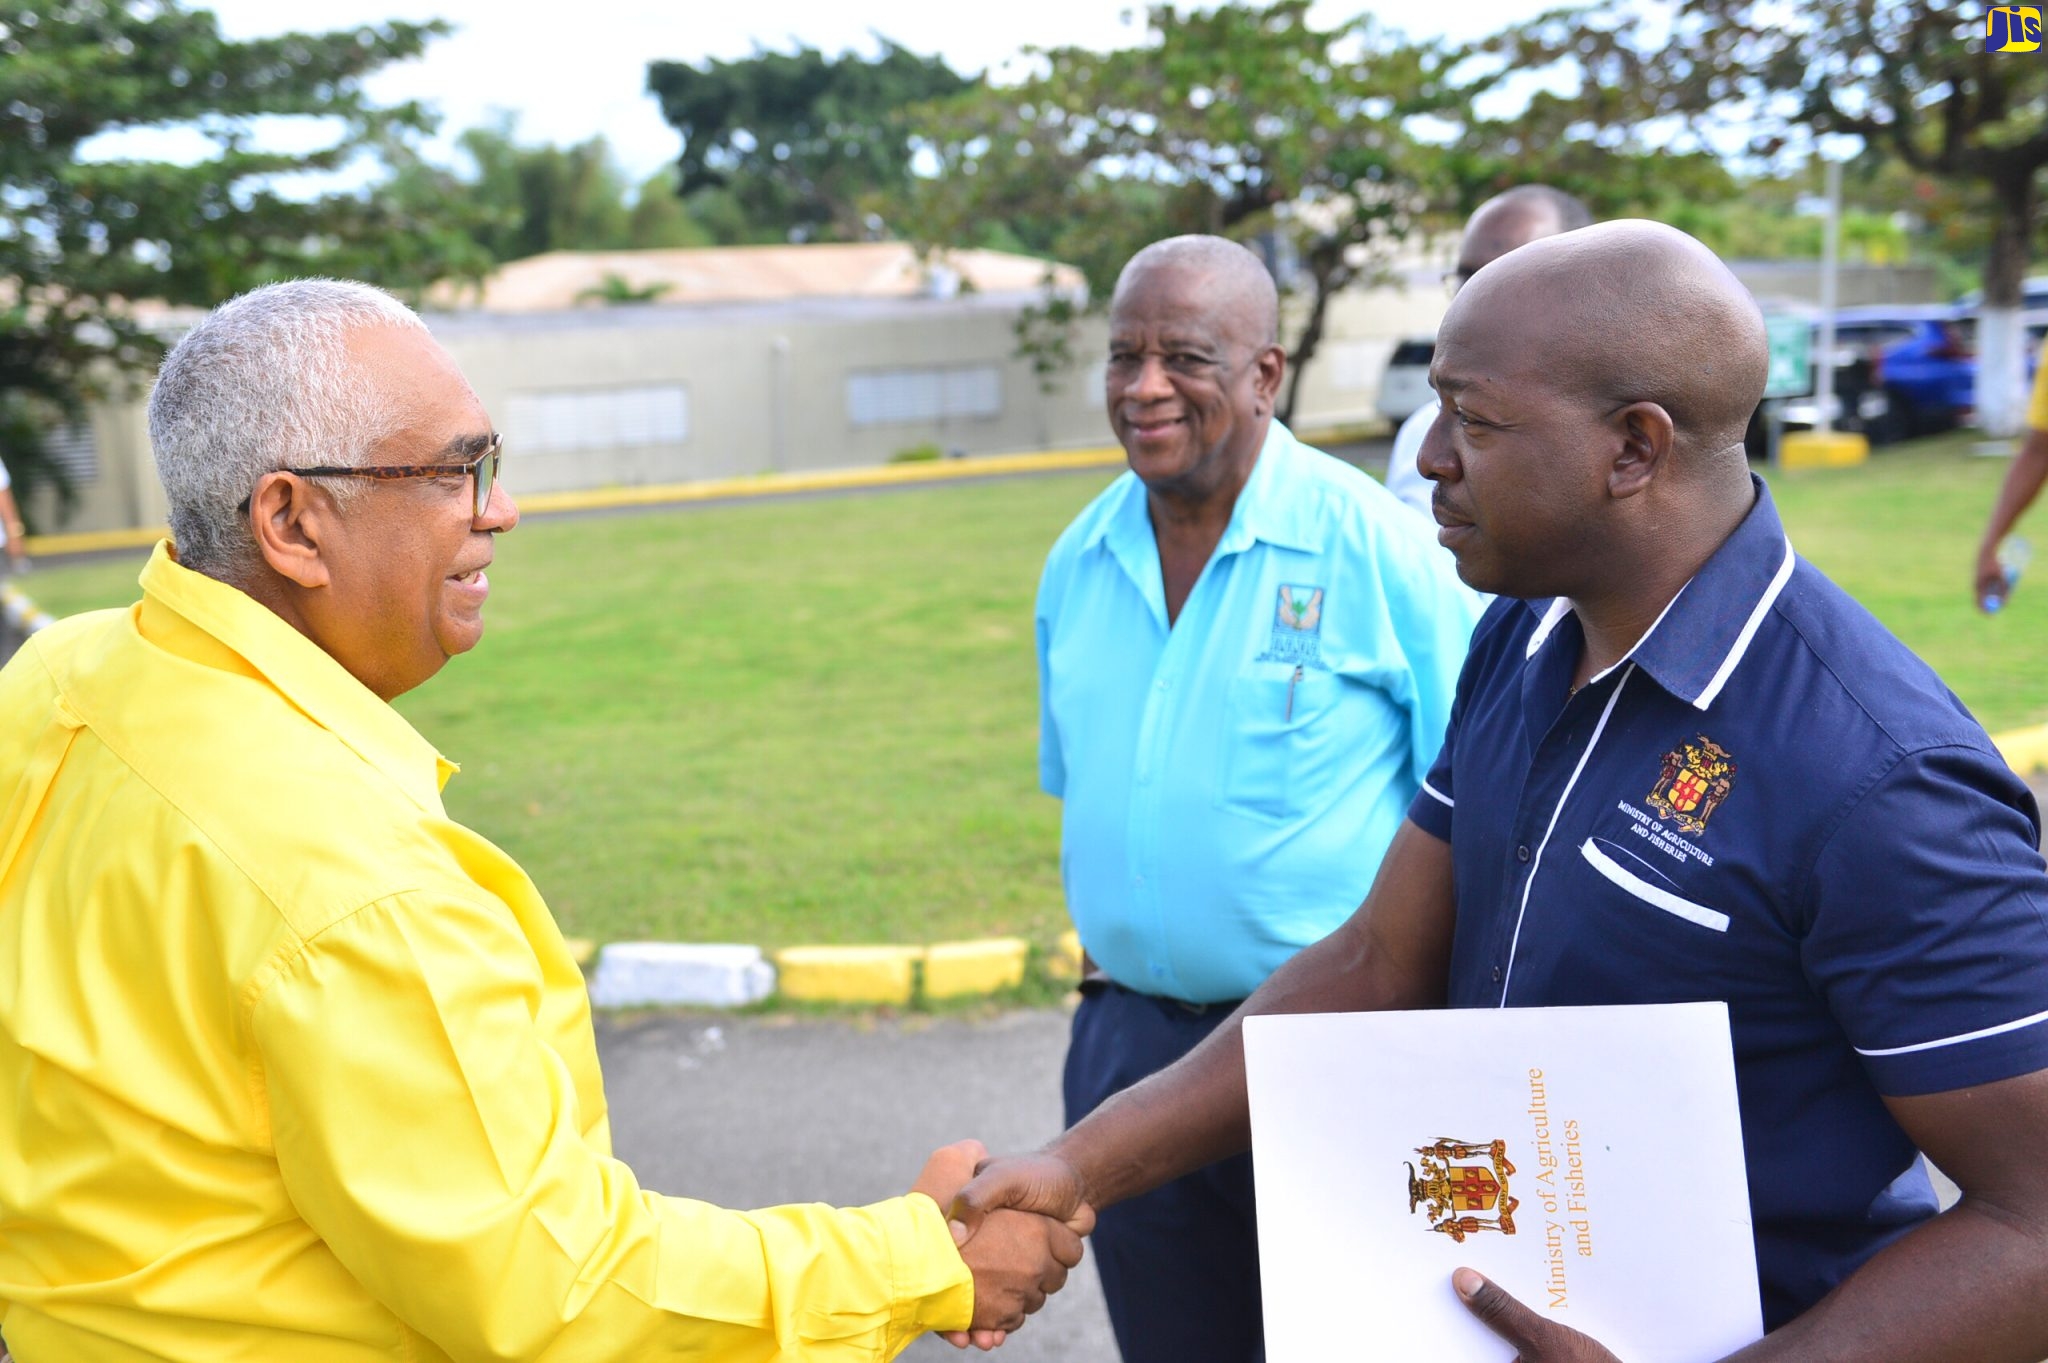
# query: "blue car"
1931,376
1922,357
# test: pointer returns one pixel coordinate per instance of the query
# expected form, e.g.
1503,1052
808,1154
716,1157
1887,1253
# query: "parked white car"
1404,386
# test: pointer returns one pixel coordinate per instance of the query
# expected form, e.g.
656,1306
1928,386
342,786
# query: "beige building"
768,359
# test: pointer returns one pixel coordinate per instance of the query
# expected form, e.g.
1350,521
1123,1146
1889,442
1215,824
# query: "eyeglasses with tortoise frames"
482,472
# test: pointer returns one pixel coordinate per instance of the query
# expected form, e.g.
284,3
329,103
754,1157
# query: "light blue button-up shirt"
1231,783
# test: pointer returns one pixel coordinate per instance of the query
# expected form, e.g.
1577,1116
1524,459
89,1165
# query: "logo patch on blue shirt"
1696,778
1297,627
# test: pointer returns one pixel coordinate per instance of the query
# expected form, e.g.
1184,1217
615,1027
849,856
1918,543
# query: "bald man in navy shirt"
1683,766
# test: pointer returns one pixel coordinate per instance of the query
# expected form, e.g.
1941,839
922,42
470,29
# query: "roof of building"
562,280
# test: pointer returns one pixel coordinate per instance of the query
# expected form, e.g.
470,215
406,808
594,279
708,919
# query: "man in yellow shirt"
294,1066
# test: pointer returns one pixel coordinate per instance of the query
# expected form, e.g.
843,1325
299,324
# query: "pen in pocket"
1290,692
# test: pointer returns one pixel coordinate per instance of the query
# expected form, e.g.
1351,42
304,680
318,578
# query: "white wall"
637,396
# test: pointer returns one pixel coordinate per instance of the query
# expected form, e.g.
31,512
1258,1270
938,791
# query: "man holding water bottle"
2001,554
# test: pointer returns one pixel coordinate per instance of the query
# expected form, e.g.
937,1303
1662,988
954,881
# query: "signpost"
1790,374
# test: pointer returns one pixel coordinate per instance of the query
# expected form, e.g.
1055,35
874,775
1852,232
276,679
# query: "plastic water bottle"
2013,556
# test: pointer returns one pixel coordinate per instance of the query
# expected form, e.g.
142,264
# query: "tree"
615,290
85,236
660,218
1618,173
515,199
809,144
1912,81
1249,122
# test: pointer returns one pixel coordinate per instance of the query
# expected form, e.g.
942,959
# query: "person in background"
1514,217
1246,654
1993,579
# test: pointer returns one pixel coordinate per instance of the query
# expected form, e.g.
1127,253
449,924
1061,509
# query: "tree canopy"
522,199
812,143
86,234
1246,121
1913,82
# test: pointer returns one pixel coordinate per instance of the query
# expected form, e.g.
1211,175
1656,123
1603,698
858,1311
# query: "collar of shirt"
1260,513
198,617
1693,647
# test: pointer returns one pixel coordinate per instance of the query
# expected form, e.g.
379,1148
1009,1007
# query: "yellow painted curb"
662,494
846,974
92,541
781,484
581,950
2024,750
1812,450
953,969
1065,961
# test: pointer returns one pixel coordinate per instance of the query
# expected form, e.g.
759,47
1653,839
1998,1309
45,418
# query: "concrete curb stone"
676,974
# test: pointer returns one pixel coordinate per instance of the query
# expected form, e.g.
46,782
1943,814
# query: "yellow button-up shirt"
294,1067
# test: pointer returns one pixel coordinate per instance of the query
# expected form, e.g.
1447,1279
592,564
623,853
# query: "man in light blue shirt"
1247,652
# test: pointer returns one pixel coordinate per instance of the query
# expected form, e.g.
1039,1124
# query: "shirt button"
1522,852
1158,971
1159,685
1138,881
1496,974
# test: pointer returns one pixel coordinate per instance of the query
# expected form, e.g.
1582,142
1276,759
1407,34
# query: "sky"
578,69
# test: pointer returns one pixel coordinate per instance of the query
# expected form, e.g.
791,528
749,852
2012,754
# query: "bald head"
1233,280
1626,312
1514,218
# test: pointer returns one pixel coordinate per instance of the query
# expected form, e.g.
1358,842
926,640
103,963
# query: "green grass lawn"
816,720
1900,535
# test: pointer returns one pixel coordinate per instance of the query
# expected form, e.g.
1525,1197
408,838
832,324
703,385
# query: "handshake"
1018,1222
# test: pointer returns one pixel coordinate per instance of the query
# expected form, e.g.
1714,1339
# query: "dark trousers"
1180,1265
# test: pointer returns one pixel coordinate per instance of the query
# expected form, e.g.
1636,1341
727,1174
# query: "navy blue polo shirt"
1771,802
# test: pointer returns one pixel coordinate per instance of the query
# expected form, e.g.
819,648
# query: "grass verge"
815,720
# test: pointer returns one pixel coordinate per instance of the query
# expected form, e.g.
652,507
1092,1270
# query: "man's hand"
1536,1340
1041,1183
1989,582
1018,1259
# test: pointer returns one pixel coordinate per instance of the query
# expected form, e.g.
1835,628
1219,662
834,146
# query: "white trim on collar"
1749,629
1559,608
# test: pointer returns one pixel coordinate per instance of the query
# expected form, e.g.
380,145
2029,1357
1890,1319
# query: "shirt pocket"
1652,895
1277,725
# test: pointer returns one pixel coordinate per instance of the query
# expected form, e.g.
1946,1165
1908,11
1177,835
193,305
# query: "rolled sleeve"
431,1137
1930,920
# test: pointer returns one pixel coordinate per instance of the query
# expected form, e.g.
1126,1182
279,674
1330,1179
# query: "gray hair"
263,383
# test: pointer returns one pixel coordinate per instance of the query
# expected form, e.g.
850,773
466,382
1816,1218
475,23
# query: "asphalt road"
756,1111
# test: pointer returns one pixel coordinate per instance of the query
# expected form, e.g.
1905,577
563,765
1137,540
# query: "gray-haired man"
300,1068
